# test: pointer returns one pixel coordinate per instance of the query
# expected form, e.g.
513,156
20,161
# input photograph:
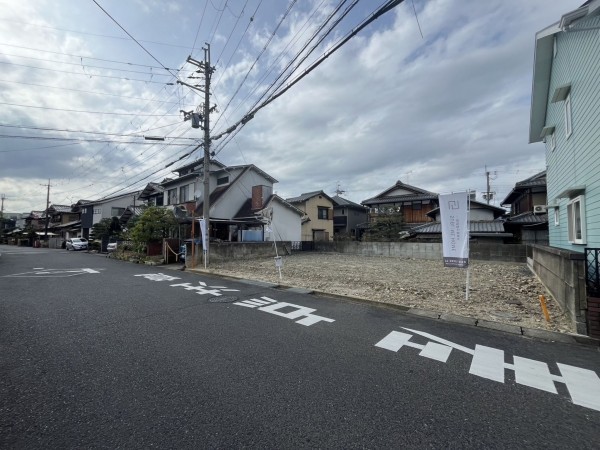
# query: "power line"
85,112
89,75
134,40
90,92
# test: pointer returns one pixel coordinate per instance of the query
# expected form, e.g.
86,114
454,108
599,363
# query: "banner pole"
468,244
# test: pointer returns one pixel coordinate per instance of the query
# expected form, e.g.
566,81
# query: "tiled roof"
480,226
400,198
308,195
339,201
421,194
528,218
60,208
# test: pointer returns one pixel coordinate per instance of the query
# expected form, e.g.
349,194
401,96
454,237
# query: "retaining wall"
563,273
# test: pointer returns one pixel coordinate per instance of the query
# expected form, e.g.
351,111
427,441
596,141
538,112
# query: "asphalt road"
96,352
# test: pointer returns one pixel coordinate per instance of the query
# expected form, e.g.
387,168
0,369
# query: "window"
555,47
416,205
84,211
97,210
556,217
172,196
117,212
223,180
568,122
576,220
552,141
183,194
322,213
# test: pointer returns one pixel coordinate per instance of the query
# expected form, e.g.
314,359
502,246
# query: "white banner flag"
203,230
455,229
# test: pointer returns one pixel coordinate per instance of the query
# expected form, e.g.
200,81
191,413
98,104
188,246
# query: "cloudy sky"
431,94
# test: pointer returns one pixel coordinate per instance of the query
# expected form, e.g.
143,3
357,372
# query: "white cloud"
390,105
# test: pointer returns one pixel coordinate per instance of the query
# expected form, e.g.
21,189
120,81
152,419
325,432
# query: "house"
279,219
63,221
411,202
347,216
485,224
564,115
528,219
317,223
93,211
242,204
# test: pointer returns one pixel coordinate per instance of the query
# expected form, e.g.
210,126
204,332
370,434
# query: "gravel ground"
500,292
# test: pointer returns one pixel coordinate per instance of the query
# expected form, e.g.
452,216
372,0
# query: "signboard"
203,231
454,211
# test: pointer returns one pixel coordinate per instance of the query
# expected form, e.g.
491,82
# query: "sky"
434,93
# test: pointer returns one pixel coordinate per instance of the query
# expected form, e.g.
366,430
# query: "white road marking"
534,374
52,273
583,384
435,351
273,307
488,363
394,341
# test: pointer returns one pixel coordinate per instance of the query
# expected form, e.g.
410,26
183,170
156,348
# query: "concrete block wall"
563,273
425,250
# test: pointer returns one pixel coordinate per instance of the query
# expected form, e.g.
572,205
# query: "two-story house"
411,202
93,211
63,221
317,223
528,218
242,204
564,115
347,216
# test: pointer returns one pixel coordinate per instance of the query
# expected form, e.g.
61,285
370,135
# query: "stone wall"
563,273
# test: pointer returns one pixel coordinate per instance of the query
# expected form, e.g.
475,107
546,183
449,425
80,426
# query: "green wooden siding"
576,159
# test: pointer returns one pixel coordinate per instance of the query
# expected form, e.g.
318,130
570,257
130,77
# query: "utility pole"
487,189
2,207
206,202
47,206
205,68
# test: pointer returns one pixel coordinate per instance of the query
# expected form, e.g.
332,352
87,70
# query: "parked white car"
111,247
76,244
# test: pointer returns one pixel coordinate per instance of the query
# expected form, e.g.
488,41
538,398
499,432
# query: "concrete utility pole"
2,207
206,202
47,206
205,68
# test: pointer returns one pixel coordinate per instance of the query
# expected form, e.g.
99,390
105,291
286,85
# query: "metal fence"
592,271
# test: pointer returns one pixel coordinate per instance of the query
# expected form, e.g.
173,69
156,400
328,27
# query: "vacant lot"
502,292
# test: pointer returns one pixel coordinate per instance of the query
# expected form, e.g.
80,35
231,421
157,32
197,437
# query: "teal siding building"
565,115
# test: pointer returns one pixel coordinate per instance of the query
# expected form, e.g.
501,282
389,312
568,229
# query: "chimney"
260,194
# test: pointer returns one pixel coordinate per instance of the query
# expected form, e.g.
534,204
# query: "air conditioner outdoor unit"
540,209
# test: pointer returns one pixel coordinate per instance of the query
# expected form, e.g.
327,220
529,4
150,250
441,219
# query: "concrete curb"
534,333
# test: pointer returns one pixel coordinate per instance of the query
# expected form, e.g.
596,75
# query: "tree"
388,226
154,224
107,227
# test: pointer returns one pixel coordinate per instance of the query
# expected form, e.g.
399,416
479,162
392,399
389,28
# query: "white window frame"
552,141
576,231
568,116
554,48
556,216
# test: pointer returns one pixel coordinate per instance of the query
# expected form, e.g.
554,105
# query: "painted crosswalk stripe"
488,363
435,351
583,385
534,374
394,341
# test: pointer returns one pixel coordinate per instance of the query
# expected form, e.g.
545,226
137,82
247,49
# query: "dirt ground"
500,292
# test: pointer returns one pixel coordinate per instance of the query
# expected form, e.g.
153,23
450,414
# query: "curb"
534,333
